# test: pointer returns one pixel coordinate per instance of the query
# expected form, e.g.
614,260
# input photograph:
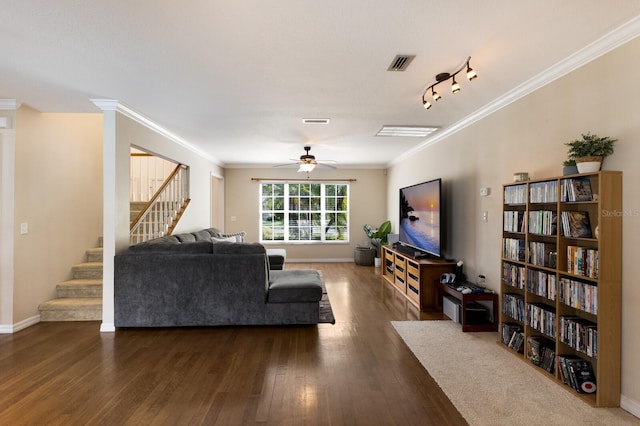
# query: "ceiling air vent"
400,62
406,131
316,120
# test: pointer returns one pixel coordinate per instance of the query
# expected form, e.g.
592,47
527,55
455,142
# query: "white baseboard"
107,327
12,328
322,260
630,405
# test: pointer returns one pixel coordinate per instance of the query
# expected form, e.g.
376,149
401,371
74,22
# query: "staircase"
79,299
161,213
135,209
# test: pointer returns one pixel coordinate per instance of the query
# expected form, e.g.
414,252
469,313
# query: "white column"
7,207
110,206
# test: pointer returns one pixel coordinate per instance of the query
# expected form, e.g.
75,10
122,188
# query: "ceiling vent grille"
400,62
406,131
316,120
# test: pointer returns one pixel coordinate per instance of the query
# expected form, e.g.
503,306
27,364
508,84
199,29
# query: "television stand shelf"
465,300
416,279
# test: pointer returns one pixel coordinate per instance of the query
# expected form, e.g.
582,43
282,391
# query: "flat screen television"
420,217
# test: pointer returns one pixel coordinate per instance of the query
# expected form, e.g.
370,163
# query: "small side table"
465,299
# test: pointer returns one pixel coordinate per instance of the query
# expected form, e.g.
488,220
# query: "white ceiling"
235,78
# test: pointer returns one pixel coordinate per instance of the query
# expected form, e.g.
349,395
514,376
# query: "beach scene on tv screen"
420,217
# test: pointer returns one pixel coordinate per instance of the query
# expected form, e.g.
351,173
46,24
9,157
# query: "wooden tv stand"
416,279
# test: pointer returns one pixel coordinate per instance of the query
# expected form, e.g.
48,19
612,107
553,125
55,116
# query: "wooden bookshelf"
415,279
554,277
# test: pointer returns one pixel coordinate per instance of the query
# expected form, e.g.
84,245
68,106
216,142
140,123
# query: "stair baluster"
162,212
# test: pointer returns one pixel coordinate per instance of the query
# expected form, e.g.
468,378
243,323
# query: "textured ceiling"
235,78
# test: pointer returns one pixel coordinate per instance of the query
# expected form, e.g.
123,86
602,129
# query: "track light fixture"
455,87
436,95
442,77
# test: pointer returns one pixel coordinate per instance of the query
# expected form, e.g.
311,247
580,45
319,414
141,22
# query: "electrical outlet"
24,228
485,191
485,216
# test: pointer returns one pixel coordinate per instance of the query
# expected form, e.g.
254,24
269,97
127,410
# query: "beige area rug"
489,386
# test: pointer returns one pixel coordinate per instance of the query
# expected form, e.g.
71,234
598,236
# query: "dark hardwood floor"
356,372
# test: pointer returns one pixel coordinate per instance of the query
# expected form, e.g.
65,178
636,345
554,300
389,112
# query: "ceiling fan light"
436,95
455,87
306,167
426,104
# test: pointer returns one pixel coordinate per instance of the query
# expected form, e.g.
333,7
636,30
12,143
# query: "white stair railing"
164,209
147,174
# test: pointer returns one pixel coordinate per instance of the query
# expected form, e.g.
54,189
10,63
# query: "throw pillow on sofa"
224,239
239,236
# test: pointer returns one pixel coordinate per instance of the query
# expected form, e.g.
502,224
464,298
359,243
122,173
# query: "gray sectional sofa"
204,279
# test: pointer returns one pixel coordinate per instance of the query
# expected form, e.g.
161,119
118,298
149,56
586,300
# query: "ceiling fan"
308,162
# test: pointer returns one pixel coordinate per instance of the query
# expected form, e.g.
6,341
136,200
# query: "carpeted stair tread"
71,309
87,270
72,303
80,298
89,265
95,254
84,287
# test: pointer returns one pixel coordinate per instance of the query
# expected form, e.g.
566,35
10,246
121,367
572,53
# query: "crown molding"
598,48
106,104
114,105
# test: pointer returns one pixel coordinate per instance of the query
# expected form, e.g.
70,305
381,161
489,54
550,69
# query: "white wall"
120,132
602,97
58,194
367,204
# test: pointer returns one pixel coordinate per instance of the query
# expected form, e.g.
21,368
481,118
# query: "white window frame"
286,212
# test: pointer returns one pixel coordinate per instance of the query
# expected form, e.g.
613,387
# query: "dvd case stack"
513,275
576,224
543,192
542,254
577,373
580,334
513,248
513,221
541,283
516,194
542,318
541,353
576,189
513,336
582,261
542,222
513,305
579,295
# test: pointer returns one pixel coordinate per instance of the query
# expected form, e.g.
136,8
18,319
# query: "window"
305,212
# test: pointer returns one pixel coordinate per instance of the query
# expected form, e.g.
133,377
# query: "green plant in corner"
378,237
569,163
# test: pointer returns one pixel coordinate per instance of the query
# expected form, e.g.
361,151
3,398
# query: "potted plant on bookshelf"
589,151
569,167
378,237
